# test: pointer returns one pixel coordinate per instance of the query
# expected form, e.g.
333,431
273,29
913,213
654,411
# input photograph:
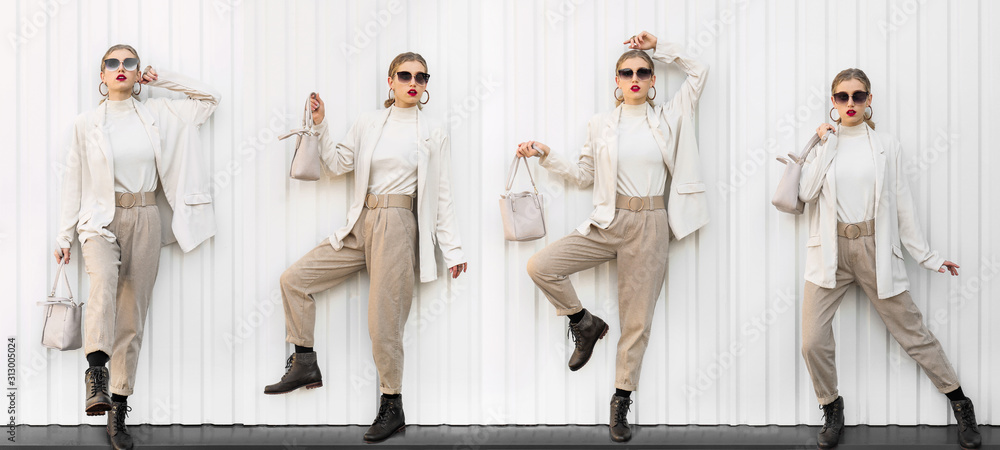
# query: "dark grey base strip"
495,437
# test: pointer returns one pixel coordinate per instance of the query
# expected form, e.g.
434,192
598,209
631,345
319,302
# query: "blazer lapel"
368,143
100,136
152,130
423,152
878,152
831,174
654,125
610,138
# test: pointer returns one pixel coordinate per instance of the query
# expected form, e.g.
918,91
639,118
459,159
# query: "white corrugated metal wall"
487,348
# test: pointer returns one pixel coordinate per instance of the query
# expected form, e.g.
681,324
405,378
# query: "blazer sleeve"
199,105
910,233
582,171
338,156
686,99
815,169
447,230
72,187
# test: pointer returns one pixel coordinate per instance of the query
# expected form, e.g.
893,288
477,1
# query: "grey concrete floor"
494,437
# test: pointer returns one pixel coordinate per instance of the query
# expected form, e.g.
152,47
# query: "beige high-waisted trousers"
383,240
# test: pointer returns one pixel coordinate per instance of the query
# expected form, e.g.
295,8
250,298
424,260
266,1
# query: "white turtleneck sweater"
854,170
134,162
641,170
394,160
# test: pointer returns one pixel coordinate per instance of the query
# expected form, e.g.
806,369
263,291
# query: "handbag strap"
307,123
513,171
801,159
307,117
60,272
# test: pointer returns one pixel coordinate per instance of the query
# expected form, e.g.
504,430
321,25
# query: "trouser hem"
828,399
626,386
949,388
567,312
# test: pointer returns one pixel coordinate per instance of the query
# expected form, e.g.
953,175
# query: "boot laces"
968,418
577,334
120,414
384,412
621,412
99,381
288,366
829,415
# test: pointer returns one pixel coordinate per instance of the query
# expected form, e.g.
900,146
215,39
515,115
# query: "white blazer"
435,216
184,187
895,218
673,130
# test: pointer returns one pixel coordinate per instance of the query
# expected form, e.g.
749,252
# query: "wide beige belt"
129,199
856,230
640,203
373,201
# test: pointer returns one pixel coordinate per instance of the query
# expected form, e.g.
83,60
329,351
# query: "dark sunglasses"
643,73
859,97
130,63
404,77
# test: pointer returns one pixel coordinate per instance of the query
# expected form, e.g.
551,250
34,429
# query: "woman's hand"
318,108
641,41
457,270
532,148
148,75
60,254
822,129
952,267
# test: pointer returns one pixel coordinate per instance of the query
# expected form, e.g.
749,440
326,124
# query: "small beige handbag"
786,197
61,328
305,161
521,211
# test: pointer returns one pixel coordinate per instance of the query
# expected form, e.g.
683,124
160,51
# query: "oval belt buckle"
371,201
853,231
131,197
633,209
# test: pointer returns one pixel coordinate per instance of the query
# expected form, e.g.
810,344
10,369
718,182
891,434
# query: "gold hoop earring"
831,114
428,97
654,93
391,96
103,94
140,88
871,112
622,99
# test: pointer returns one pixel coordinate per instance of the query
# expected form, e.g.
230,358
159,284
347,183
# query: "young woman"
861,210
402,203
121,153
628,155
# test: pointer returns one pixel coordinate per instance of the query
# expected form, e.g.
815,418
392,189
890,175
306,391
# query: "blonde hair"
121,47
629,55
394,66
853,74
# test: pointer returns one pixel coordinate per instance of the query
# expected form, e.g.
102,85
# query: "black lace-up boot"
586,333
389,421
968,429
620,430
117,432
98,400
833,424
301,370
